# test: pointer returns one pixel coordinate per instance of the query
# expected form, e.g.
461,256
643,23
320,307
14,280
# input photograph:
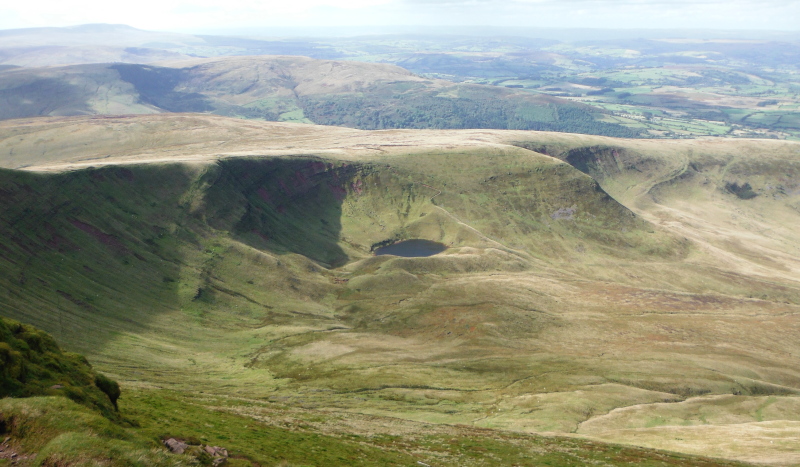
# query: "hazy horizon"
210,16
556,34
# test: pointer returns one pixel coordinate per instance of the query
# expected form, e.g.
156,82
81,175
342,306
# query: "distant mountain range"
106,43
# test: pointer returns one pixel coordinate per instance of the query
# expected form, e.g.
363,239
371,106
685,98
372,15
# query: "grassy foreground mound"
51,431
32,364
56,410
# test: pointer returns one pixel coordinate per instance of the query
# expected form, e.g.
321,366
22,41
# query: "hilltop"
295,89
625,290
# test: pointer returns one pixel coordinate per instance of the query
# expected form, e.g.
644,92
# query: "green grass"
60,432
252,280
162,415
56,431
33,364
270,434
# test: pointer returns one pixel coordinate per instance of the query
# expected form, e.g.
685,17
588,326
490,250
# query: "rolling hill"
119,43
630,291
663,84
297,89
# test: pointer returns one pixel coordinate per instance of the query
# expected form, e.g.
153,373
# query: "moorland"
600,300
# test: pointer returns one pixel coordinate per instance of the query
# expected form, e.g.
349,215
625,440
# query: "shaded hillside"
353,94
73,90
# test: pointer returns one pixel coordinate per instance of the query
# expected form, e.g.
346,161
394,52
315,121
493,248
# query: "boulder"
175,446
216,451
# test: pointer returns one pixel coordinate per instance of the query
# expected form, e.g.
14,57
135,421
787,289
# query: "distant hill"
116,35
90,43
108,43
295,89
667,84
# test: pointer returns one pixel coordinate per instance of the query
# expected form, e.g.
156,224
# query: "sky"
210,15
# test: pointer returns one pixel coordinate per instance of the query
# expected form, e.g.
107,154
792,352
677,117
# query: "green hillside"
292,89
156,238
613,289
163,273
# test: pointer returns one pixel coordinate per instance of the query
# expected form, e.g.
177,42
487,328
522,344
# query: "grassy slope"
270,433
555,306
56,431
745,248
102,187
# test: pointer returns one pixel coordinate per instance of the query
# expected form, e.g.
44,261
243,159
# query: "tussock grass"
57,431
33,364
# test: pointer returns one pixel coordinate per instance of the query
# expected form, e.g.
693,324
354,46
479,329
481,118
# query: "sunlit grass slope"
55,430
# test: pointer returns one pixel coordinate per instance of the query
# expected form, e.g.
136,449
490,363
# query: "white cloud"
159,14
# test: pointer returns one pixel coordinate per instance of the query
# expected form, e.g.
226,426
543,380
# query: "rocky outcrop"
215,454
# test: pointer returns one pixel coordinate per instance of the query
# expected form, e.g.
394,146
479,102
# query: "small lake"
412,248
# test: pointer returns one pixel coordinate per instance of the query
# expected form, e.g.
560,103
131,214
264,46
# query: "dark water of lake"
412,248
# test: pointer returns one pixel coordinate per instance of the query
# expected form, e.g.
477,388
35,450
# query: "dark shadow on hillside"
598,162
40,97
91,254
283,204
156,86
